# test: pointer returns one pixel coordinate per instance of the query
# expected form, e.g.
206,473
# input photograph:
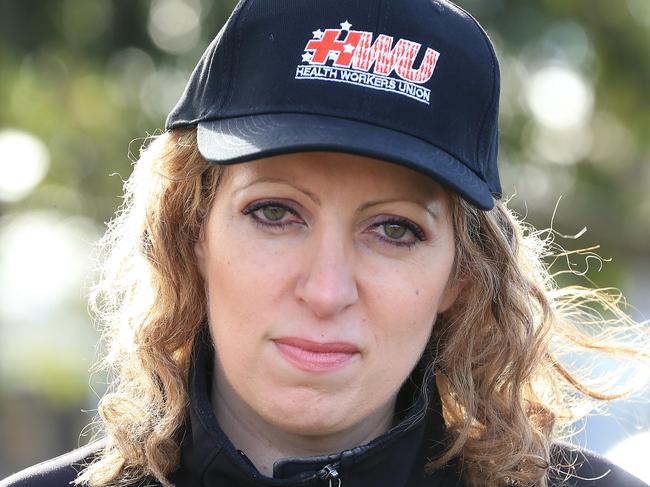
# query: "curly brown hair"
506,396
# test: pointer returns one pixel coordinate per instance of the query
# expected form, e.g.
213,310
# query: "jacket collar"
396,458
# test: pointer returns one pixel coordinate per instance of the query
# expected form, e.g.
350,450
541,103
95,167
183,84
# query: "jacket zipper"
329,472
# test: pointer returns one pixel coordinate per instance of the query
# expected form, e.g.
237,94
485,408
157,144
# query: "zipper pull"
329,472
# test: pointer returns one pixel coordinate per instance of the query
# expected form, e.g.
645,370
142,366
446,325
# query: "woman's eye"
394,230
273,213
270,214
402,233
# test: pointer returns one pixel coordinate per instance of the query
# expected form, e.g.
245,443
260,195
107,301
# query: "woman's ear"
199,251
450,295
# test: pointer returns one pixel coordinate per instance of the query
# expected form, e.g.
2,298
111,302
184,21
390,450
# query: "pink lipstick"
314,356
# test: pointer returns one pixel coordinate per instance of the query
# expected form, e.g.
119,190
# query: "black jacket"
395,459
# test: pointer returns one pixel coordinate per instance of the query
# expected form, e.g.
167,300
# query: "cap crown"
421,67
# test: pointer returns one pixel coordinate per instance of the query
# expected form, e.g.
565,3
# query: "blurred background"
82,82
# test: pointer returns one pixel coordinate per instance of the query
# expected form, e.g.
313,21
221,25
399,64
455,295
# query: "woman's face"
324,273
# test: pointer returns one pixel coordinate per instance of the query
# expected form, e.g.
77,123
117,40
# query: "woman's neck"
264,443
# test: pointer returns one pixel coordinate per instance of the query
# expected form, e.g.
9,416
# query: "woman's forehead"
323,170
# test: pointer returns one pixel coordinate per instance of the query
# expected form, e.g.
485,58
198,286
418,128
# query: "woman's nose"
327,282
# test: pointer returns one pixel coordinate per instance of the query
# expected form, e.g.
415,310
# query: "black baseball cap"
412,82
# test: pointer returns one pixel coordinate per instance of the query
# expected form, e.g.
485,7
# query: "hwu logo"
354,54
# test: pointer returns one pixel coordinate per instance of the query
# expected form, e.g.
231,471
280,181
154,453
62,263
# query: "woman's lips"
314,356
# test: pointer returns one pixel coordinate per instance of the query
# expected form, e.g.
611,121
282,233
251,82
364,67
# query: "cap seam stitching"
366,95
490,101
211,65
481,125
243,12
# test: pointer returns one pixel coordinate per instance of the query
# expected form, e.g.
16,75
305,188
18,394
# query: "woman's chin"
310,414
314,403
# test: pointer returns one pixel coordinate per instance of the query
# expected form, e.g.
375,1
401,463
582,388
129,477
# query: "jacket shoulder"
572,466
57,472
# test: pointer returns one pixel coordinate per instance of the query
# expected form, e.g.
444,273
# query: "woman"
313,280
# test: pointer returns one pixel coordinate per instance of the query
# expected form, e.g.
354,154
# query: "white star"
346,25
348,48
332,55
318,34
306,57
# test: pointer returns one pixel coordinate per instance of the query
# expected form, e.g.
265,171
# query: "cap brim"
241,139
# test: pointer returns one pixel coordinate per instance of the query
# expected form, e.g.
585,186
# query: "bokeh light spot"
161,90
566,146
559,97
24,161
566,41
174,25
43,261
127,70
640,10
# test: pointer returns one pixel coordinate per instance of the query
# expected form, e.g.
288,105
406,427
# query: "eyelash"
268,204
412,227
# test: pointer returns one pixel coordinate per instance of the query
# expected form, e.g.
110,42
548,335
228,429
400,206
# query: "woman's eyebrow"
433,212
311,195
